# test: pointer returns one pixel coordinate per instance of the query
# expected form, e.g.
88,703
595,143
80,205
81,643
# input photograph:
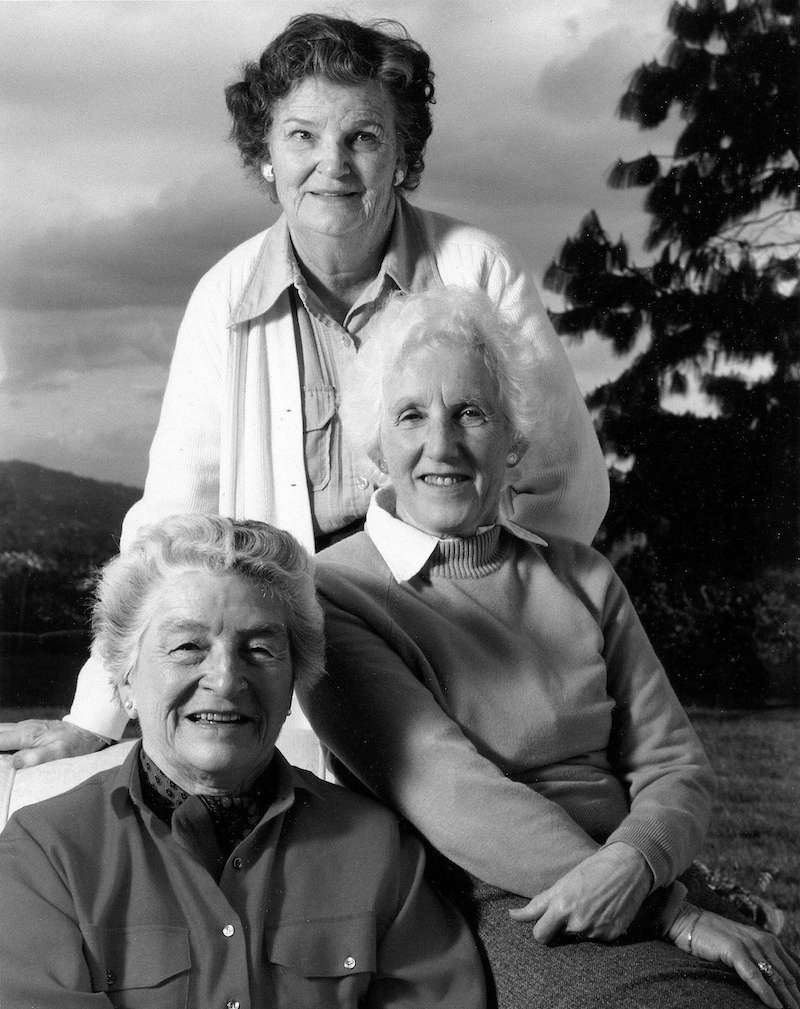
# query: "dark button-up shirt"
322,904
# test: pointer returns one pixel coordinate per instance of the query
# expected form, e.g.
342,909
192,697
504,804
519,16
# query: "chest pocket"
322,962
143,967
319,409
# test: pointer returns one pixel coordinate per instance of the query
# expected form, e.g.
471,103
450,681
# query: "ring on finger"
766,969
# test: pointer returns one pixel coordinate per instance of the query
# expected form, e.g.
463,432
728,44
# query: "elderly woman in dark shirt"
206,871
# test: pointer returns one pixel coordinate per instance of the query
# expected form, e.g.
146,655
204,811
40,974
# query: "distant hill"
57,514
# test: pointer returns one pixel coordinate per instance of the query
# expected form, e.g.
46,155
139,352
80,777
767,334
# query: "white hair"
269,557
449,317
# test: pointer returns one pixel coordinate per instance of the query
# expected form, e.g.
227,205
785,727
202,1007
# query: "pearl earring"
512,458
268,172
399,175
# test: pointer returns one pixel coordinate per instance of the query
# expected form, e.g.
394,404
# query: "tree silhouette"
703,523
717,294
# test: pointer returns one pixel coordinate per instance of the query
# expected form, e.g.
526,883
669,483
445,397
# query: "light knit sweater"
507,701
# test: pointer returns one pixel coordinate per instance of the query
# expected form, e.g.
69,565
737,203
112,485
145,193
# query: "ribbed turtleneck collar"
470,557
407,551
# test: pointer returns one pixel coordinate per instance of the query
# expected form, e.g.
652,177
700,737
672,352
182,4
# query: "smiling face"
444,440
333,150
213,680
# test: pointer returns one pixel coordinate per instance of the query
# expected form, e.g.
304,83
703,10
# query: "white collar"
404,548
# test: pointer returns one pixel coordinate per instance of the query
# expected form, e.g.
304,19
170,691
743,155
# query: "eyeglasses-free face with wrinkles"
213,680
444,440
333,154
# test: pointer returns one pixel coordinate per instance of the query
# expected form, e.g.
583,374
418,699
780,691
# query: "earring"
399,175
512,458
130,707
382,466
268,172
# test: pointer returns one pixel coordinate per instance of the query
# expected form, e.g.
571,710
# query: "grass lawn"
755,826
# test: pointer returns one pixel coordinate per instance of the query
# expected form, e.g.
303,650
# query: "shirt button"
349,962
228,931
232,1004
237,863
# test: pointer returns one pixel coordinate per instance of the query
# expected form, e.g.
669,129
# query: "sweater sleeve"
373,710
561,485
183,473
653,747
42,961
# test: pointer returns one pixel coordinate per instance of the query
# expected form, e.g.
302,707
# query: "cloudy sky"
118,188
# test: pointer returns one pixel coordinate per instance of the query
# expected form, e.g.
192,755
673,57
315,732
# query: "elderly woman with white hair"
206,871
497,688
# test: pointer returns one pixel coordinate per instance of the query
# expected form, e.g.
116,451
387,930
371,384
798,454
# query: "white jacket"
230,435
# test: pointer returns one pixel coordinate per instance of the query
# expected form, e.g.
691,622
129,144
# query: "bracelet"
690,932
686,921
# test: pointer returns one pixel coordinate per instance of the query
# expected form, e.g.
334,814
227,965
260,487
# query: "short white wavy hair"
270,558
449,317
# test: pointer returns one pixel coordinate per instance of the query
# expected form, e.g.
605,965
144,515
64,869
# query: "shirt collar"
274,270
405,549
407,261
288,779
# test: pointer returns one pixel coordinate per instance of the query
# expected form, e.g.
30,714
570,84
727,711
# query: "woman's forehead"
213,598
440,366
317,98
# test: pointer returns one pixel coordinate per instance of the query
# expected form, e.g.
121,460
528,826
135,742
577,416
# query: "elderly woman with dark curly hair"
206,871
333,120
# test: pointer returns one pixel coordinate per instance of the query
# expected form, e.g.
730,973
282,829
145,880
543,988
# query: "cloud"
152,256
579,88
100,422
47,350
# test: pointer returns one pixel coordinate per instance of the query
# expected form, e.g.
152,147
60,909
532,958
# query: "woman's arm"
426,956
42,962
377,717
657,754
654,751
653,747
183,468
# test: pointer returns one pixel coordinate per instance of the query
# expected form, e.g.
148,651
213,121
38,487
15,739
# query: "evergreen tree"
718,292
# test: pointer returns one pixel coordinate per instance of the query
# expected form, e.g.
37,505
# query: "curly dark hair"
347,53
